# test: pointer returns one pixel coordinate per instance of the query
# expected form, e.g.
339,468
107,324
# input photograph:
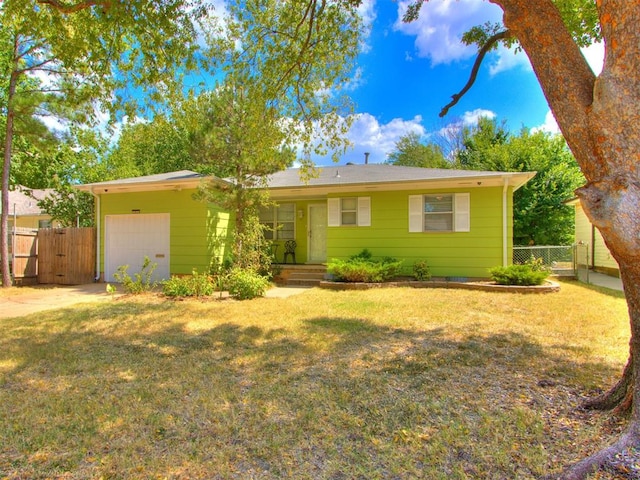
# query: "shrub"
362,268
195,285
421,271
245,284
523,275
142,282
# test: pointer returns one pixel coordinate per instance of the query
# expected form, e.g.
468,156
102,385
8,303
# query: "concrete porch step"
300,275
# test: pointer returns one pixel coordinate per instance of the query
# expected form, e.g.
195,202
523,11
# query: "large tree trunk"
600,119
6,168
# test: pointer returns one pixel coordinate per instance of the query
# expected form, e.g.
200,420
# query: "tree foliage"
296,57
411,152
240,139
540,215
147,148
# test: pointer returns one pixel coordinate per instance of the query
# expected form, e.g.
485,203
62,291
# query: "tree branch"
476,67
73,8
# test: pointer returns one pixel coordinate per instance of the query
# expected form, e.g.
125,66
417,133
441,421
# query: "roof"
329,179
23,201
161,181
389,177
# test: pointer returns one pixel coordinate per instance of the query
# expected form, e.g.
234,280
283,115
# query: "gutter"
505,236
97,197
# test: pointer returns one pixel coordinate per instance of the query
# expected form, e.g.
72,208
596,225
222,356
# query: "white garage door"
129,238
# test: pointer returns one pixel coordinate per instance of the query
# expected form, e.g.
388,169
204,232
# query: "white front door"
317,232
129,238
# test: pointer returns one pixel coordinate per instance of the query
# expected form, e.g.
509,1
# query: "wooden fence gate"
23,254
66,256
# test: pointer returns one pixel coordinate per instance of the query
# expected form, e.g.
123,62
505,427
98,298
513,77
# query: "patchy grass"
379,384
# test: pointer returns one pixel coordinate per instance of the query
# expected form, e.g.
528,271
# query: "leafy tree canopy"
411,152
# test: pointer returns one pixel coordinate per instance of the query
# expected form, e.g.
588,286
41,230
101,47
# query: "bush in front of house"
194,285
522,275
141,282
421,271
363,268
245,284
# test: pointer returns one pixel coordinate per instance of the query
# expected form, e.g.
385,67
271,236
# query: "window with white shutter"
441,212
349,211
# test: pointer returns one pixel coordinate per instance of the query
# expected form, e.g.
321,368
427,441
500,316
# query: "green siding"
463,254
198,231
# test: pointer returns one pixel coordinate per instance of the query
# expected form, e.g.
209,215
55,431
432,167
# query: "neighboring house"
24,211
459,221
599,257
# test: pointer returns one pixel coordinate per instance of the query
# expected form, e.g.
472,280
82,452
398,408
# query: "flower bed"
548,286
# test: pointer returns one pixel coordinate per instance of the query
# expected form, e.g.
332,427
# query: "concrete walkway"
602,280
27,300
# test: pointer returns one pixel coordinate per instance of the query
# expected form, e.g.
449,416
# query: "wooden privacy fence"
66,256
23,252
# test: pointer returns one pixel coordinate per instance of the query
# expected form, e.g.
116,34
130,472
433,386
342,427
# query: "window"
349,211
44,223
446,212
438,213
280,221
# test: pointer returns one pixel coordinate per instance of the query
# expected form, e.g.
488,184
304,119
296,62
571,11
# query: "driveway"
24,301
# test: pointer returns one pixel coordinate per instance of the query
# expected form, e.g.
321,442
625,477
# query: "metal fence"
581,261
560,258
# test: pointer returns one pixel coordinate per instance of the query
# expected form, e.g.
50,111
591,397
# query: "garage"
129,238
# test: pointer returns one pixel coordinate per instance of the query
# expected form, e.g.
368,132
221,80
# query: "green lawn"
379,384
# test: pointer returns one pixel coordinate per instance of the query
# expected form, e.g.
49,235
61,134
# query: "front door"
317,232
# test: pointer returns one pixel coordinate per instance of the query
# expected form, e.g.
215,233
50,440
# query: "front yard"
379,384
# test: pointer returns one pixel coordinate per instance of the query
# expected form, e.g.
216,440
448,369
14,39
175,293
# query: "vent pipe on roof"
366,158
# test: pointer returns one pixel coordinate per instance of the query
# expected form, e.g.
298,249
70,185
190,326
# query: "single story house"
24,212
459,221
599,257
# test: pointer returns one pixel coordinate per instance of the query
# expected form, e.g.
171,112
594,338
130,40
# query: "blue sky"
408,72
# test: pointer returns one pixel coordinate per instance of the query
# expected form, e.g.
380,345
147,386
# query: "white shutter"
415,213
364,211
462,210
333,212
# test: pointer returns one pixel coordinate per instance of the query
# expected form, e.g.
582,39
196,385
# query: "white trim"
333,212
364,211
505,230
416,207
462,212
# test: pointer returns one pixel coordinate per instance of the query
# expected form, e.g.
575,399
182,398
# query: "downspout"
97,197
505,230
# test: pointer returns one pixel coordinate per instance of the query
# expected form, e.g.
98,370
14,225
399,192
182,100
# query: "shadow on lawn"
338,397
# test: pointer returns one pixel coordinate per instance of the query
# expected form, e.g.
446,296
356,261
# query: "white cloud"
507,59
549,126
367,134
441,24
472,117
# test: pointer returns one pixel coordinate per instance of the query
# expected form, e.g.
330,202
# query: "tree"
284,65
598,117
411,152
539,214
88,53
239,139
296,56
147,148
